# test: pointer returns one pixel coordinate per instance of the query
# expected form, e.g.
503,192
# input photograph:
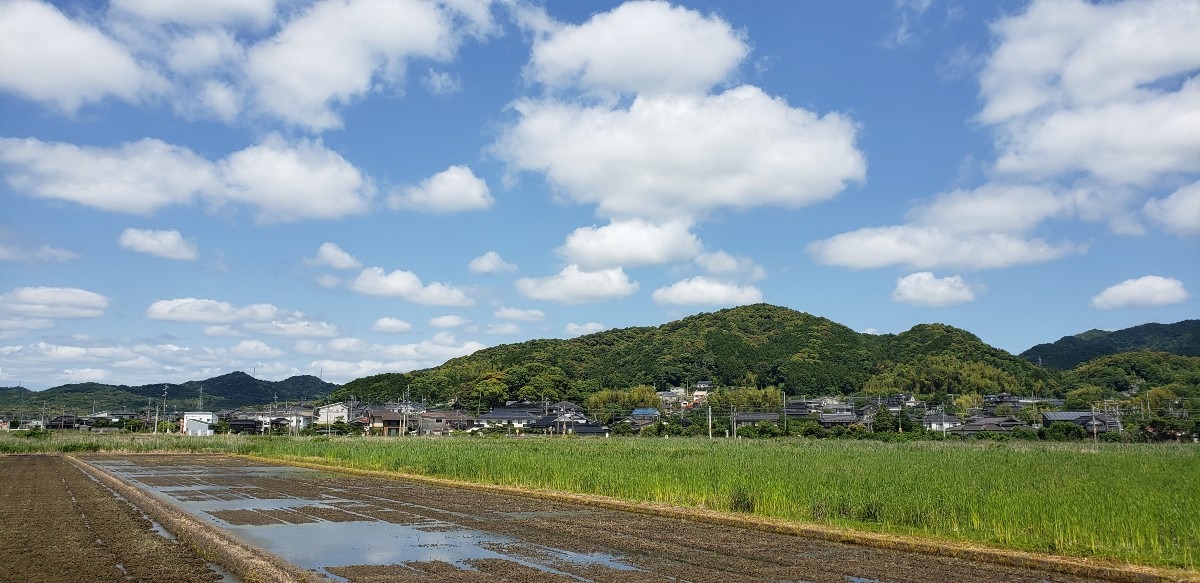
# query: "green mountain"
1181,338
748,346
228,391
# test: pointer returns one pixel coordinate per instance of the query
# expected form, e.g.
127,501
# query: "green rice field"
1119,502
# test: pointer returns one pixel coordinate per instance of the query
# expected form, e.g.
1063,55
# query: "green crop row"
1122,502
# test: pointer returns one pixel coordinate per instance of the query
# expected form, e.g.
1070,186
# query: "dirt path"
508,537
61,525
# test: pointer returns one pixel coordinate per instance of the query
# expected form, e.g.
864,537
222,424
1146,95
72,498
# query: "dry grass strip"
251,564
1080,567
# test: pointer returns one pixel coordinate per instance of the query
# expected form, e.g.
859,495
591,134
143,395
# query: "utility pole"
710,422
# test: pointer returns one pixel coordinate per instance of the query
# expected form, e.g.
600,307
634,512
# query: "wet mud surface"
371,530
59,525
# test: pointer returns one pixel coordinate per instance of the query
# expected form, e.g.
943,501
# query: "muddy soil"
532,539
61,525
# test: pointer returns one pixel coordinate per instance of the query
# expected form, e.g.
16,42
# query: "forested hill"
1181,338
749,346
236,389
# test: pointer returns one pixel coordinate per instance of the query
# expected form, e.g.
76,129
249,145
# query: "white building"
198,423
332,414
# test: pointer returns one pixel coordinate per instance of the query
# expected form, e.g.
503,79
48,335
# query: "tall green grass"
1122,502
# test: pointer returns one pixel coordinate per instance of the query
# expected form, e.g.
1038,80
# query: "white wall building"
198,423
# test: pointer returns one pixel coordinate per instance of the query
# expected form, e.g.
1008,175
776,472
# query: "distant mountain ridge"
1180,338
228,391
747,346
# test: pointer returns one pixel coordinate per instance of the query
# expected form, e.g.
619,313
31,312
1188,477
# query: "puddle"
327,531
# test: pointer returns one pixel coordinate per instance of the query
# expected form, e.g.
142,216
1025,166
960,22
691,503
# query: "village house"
442,422
981,424
516,415
1090,421
197,423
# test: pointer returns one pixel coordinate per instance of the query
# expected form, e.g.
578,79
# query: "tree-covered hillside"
228,391
749,346
1182,338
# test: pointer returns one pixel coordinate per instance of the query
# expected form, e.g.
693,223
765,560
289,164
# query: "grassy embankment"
1119,502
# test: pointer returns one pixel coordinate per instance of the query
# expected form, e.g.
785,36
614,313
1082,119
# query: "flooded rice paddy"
351,528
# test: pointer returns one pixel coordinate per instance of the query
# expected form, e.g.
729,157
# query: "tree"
1065,431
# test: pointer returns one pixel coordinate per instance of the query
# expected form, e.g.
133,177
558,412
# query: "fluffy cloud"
673,150
379,358
165,244
985,228
933,247
293,326
137,177
211,12
260,318
1107,89
375,281
440,82
706,291
448,321
573,285
333,256
193,310
519,315
254,349
723,264
392,325
289,181
284,181
17,251
454,189
639,47
504,329
573,329
992,208
490,262
630,243
1179,212
336,51
671,156
1148,291
47,57
54,302
923,289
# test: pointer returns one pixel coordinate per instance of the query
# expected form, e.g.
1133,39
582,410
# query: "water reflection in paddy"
323,531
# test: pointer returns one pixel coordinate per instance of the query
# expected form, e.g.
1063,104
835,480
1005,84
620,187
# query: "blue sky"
349,187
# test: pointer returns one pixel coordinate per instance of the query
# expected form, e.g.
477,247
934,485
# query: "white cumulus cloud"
336,51
1179,212
630,243
924,289
573,285
573,329
1148,291
933,247
490,262
701,290
639,47
332,255
392,325
452,190
54,302
47,57
375,281
519,315
671,156
448,321
285,181
290,181
166,244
